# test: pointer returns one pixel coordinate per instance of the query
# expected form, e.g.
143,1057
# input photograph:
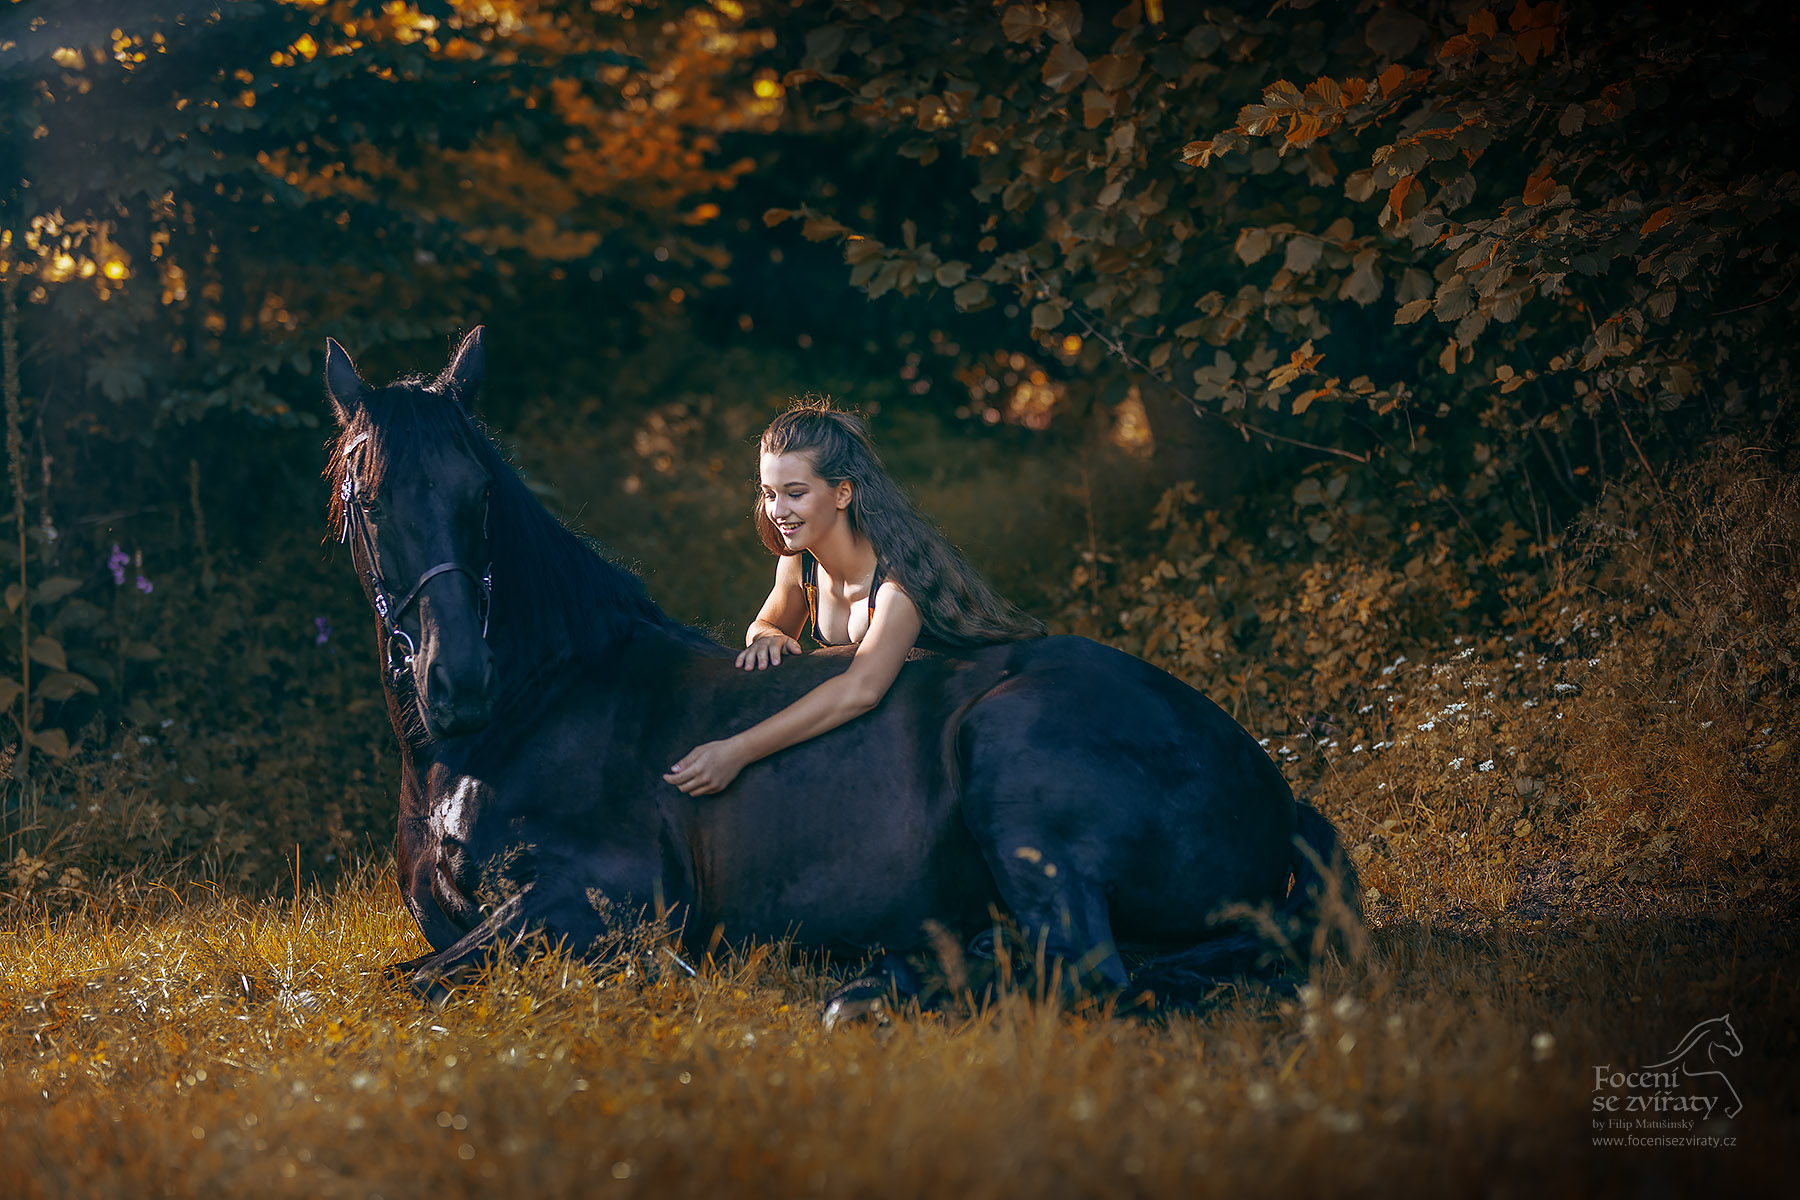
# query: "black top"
809,579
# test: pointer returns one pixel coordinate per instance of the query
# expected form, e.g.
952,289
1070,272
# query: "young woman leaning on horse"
859,565
538,695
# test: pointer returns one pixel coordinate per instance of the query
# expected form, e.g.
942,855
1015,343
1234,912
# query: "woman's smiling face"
802,506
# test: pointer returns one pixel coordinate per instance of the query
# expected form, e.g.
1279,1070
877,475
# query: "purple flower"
117,564
144,585
324,628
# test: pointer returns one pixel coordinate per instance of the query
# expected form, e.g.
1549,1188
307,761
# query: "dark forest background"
1314,352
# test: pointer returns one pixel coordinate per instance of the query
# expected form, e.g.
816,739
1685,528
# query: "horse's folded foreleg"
504,930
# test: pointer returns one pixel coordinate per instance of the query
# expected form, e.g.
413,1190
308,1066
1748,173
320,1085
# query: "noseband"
399,647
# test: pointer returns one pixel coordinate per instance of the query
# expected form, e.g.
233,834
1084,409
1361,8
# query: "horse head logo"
1699,1045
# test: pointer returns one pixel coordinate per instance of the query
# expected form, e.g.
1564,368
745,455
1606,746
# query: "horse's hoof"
864,1000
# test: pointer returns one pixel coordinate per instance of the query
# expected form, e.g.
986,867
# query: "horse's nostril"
437,690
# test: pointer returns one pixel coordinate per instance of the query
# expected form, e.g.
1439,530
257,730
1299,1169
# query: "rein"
398,646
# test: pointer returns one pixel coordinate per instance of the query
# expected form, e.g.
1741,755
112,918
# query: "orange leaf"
1304,400
1483,23
1391,79
1539,188
1534,42
1355,90
1456,47
1657,220
1398,194
1534,16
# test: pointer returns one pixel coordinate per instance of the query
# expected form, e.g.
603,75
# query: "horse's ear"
342,385
464,374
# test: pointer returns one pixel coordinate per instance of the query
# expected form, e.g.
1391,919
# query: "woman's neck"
846,555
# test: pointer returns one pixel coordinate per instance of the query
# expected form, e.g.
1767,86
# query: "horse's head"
1726,1038
412,500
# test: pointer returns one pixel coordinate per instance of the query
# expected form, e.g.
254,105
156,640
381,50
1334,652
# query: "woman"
860,562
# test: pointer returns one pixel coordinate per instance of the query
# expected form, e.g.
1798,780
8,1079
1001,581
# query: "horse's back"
1133,778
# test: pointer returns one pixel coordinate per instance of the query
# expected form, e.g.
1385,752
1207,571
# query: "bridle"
399,646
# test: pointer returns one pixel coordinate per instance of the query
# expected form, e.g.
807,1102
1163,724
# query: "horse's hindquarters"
1095,782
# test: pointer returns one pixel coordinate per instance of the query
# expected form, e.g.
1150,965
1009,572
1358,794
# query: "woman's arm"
711,766
782,618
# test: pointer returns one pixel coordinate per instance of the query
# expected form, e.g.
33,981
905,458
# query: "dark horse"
1098,800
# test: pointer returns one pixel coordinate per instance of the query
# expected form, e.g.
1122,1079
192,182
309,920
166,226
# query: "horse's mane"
556,598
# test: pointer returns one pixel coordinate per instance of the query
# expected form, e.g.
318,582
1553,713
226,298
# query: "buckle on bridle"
399,664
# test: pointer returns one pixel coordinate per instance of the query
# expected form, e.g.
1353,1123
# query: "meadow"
1563,872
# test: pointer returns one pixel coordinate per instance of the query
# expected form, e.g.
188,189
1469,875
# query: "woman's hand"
707,768
766,651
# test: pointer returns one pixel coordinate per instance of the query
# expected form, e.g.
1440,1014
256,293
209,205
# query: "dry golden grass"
1572,854
226,1046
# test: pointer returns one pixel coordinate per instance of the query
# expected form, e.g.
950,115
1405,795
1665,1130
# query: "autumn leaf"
1391,79
1457,47
1252,244
1398,194
1534,27
1657,220
1114,71
1096,106
1304,400
1197,154
1064,68
1021,23
1539,188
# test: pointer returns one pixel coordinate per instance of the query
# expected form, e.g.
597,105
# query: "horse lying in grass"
538,695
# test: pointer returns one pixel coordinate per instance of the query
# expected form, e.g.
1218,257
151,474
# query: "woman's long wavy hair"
956,606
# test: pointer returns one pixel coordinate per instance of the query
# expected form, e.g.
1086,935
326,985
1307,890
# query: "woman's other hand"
707,768
766,651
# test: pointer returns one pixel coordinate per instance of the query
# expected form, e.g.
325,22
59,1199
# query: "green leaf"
9,691
14,594
54,589
141,651
951,274
1046,316
971,295
53,742
49,651
60,685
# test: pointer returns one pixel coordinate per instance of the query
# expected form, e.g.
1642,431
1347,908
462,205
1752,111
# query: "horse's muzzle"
457,708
